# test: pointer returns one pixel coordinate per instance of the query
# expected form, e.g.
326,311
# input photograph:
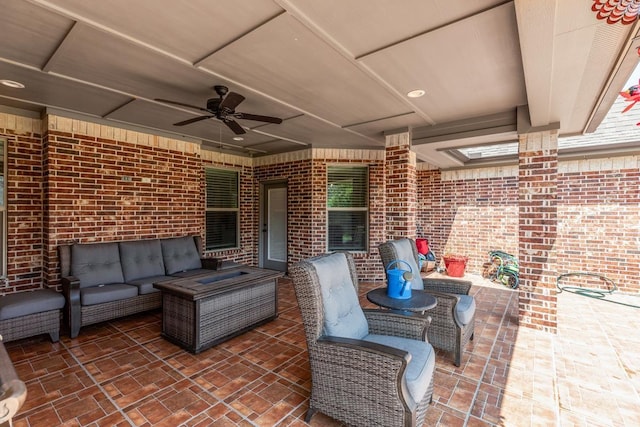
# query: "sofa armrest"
71,291
211,263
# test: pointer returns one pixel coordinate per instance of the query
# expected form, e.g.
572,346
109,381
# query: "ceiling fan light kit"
223,108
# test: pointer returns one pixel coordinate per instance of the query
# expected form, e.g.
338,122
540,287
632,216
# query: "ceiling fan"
223,109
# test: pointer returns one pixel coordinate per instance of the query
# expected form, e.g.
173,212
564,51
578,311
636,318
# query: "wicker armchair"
368,367
452,321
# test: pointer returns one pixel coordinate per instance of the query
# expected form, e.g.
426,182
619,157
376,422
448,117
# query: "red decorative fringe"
625,11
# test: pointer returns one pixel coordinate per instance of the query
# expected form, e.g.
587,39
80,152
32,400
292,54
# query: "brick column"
537,185
400,174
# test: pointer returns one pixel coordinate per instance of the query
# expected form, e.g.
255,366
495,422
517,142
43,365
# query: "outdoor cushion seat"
103,294
30,313
145,285
105,280
453,318
368,366
29,302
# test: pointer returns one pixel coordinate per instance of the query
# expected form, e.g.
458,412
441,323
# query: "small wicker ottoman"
29,313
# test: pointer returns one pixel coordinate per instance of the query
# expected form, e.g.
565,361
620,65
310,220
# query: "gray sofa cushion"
180,254
107,293
140,259
465,309
343,316
96,264
145,285
29,302
420,367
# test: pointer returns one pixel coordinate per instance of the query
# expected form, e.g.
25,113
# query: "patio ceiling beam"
536,29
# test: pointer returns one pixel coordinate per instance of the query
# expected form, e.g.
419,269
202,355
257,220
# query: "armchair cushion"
405,252
421,366
465,309
343,316
96,264
180,254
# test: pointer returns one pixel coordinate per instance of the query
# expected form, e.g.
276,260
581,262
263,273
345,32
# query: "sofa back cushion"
96,264
140,259
180,254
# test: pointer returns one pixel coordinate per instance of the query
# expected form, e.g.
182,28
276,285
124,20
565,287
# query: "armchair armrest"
369,365
368,347
411,325
461,287
14,391
73,314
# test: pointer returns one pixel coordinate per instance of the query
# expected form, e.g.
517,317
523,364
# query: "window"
222,212
348,208
3,208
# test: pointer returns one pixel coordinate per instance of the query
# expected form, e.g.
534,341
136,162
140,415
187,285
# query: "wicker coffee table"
201,311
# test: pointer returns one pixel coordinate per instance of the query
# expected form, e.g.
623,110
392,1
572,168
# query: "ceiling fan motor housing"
213,103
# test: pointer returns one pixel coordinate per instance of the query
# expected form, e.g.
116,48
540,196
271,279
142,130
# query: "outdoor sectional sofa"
103,281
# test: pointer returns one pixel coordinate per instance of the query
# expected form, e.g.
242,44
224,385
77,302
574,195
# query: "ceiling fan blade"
234,126
258,118
193,120
167,101
231,101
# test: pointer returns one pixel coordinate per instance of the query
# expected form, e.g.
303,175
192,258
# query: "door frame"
262,232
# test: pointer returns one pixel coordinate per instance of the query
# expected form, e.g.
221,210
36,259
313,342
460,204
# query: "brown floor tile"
123,373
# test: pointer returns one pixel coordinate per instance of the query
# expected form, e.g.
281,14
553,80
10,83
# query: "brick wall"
80,166
472,211
599,219
306,176
400,178
469,212
24,183
105,184
538,229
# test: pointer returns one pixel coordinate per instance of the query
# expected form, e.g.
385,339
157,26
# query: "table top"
420,300
217,281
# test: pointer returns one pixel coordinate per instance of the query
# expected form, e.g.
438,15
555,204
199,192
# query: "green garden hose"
600,294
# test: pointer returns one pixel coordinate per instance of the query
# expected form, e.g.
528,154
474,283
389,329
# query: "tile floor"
123,373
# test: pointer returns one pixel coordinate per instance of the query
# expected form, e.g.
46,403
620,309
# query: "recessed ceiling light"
416,93
13,84
238,138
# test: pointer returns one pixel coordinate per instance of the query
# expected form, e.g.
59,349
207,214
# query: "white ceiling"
336,71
